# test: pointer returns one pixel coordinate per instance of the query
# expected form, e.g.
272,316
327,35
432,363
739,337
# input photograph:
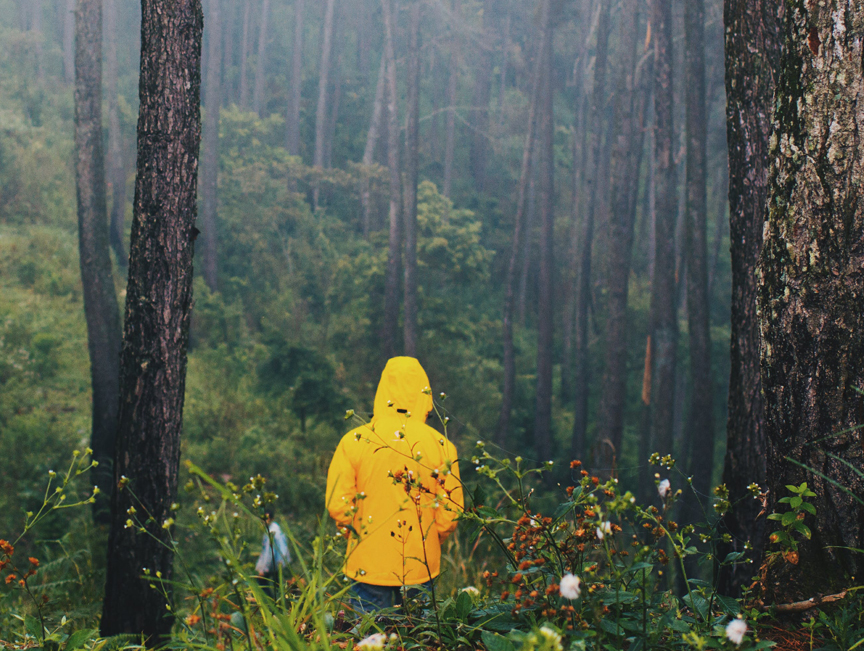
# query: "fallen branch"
812,602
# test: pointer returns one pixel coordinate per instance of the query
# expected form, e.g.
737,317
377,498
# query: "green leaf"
806,506
731,557
792,488
494,642
33,626
788,518
729,605
796,501
775,516
611,627
638,567
77,639
463,605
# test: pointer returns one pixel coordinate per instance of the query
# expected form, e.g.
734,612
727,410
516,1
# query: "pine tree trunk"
664,317
519,236
333,122
581,379
36,26
101,310
412,149
210,158
371,141
323,88
296,80
700,422
244,55
260,63
158,308
811,294
505,59
390,329
543,435
752,57
480,107
626,159
69,41
452,91
116,169
228,13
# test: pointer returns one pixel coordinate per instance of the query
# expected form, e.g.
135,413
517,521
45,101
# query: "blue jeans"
369,598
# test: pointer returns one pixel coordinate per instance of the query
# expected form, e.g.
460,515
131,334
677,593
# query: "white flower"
569,587
603,529
374,641
664,488
551,639
471,590
735,630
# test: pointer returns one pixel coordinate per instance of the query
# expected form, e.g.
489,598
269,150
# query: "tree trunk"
581,379
811,294
116,169
480,108
258,92
412,148
663,310
626,159
394,253
158,308
505,58
210,161
296,80
752,57
503,428
333,119
69,41
323,87
452,91
228,14
101,310
244,55
371,141
36,26
543,435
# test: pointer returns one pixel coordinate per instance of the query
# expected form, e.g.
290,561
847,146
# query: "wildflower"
374,641
663,488
569,587
191,620
603,529
34,561
6,548
735,631
551,638
10,578
471,590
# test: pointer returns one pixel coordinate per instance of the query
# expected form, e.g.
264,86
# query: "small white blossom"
735,631
569,587
664,488
374,641
471,590
603,529
551,638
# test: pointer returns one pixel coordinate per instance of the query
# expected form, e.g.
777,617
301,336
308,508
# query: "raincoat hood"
404,385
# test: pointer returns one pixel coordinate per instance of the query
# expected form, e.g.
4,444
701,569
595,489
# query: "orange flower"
10,578
191,620
34,561
6,548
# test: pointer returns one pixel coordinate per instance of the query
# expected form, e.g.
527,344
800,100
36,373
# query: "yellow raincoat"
396,482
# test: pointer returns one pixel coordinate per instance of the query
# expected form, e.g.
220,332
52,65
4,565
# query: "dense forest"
624,239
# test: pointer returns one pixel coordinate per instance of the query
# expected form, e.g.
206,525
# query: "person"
393,489
274,555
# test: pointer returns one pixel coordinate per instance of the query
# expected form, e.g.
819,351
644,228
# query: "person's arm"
264,564
341,485
450,498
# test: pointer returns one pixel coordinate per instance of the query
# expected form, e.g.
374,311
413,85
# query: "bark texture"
452,91
752,57
811,291
116,169
296,80
371,142
244,55
323,88
482,88
101,310
261,60
210,162
412,153
158,308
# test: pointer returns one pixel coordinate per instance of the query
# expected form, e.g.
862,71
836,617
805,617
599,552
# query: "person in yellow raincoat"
393,489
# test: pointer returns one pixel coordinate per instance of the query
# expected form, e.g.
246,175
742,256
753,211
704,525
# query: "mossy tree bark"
101,310
811,292
752,57
158,309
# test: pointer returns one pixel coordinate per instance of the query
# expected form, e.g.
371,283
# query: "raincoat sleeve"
265,560
341,484
452,501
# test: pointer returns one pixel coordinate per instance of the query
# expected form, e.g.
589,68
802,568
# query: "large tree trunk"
260,63
323,88
452,91
158,308
664,304
101,310
626,159
505,59
371,142
811,293
333,119
228,14
480,107
700,429
412,149
519,235
210,161
296,80
390,325
36,26
116,169
545,307
69,41
752,57
581,379
244,55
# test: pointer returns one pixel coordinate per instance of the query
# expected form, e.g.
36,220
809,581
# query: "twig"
812,602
